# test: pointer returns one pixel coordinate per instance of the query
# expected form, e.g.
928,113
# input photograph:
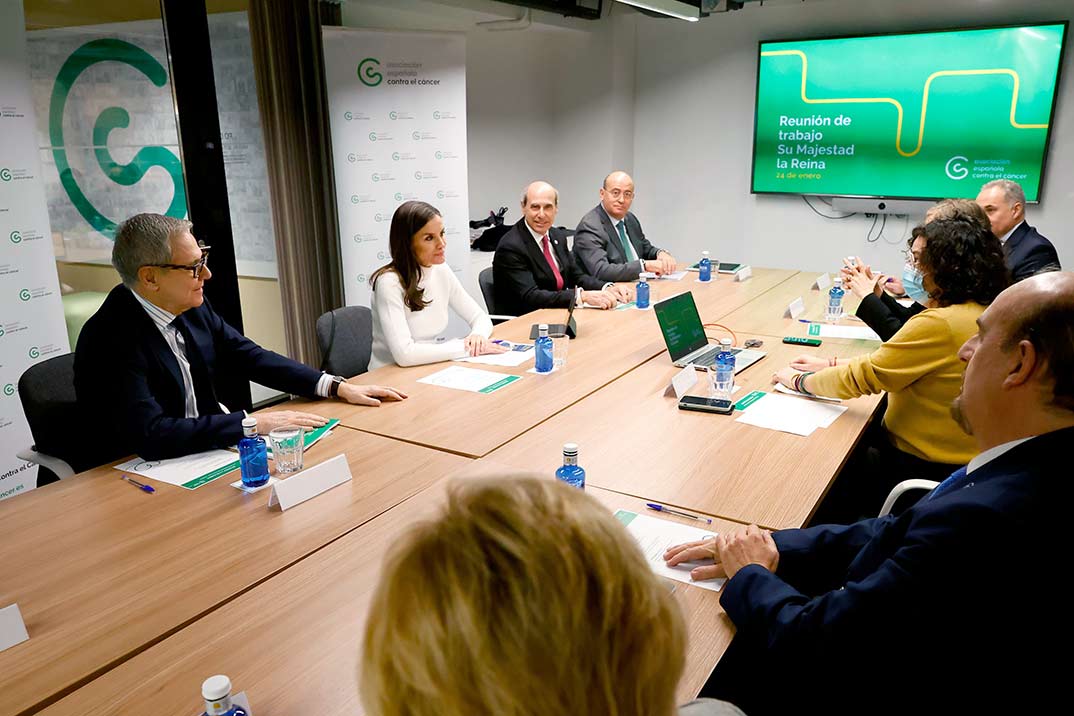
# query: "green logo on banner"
24,294
89,54
395,156
34,352
16,237
361,278
398,196
439,195
436,115
354,198
348,116
367,72
372,137
376,177
9,389
439,155
5,174
2,331
393,114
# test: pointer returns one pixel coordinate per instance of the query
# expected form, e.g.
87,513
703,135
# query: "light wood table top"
764,314
292,643
634,440
101,570
609,344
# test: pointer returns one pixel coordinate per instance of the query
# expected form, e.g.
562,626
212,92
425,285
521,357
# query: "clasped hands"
729,553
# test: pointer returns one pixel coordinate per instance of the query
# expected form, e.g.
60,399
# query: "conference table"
293,643
131,600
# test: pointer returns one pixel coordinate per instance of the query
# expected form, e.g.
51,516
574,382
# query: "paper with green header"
655,535
469,379
188,472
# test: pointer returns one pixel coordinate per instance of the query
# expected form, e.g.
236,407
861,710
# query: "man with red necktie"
533,267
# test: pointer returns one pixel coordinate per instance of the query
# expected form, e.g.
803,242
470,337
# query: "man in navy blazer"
1027,251
533,267
954,604
609,242
157,365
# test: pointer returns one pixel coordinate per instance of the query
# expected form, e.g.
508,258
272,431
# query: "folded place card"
682,382
743,273
797,308
823,281
12,628
310,483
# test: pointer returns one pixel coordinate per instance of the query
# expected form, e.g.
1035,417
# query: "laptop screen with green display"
681,325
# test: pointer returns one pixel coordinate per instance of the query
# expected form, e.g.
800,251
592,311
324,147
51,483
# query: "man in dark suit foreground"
609,242
533,267
952,604
155,363
1027,251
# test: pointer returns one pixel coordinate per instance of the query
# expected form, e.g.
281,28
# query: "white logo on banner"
409,145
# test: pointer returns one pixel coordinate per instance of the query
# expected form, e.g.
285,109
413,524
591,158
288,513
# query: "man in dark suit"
948,606
155,363
609,242
1027,251
533,268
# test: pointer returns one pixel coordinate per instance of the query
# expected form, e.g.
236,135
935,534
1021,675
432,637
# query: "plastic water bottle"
835,301
704,267
641,299
216,690
544,350
725,371
571,473
253,456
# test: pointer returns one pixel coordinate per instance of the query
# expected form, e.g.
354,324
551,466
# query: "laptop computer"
685,336
570,327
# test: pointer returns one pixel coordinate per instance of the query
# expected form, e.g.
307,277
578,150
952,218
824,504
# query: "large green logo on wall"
367,72
89,54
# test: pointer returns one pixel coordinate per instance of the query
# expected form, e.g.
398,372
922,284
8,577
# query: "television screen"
924,115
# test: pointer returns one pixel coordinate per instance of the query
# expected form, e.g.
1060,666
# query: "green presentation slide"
922,115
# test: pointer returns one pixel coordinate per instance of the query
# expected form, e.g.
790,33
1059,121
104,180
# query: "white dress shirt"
540,244
992,453
1003,239
633,254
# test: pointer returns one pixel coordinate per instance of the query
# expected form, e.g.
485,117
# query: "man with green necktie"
609,243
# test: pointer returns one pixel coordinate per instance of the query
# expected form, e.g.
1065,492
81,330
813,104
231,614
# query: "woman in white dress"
412,296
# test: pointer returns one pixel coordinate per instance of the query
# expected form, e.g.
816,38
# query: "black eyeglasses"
195,268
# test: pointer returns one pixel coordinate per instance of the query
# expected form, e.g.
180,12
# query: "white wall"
542,103
694,106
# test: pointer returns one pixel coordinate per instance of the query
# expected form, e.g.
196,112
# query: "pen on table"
139,485
662,508
804,320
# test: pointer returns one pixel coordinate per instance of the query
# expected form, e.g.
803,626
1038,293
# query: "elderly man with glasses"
609,242
160,367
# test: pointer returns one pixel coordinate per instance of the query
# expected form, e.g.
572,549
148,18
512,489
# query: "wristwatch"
333,390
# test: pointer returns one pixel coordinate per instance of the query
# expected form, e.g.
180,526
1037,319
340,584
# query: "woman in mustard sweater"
962,269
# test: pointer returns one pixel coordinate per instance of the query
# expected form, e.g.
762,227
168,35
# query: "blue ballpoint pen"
662,508
139,485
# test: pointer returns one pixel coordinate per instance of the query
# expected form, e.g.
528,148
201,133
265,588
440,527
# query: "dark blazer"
951,602
600,252
885,315
1028,253
524,281
126,374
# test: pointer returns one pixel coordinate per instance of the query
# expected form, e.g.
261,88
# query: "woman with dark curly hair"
962,270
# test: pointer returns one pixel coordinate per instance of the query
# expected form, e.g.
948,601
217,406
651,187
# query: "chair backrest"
47,391
484,280
345,337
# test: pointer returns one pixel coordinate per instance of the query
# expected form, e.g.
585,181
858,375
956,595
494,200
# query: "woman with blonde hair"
524,597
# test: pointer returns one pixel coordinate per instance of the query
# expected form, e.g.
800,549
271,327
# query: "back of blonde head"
959,209
525,597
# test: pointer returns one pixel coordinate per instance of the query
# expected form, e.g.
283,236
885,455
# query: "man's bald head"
539,187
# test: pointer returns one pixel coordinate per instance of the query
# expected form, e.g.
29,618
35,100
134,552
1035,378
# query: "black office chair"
345,337
488,290
47,391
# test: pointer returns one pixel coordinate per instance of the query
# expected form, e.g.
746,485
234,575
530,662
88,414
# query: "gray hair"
526,193
142,240
1012,191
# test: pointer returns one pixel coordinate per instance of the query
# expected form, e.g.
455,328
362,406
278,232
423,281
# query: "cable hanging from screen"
820,213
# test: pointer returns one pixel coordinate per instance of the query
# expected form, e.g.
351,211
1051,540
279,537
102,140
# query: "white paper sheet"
470,379
676,276
190,472
654,536
790,415
825,330
518,354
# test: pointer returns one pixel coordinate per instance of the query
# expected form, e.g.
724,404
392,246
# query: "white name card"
823,281
743,273
12,628
310,483
797,308
682,382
